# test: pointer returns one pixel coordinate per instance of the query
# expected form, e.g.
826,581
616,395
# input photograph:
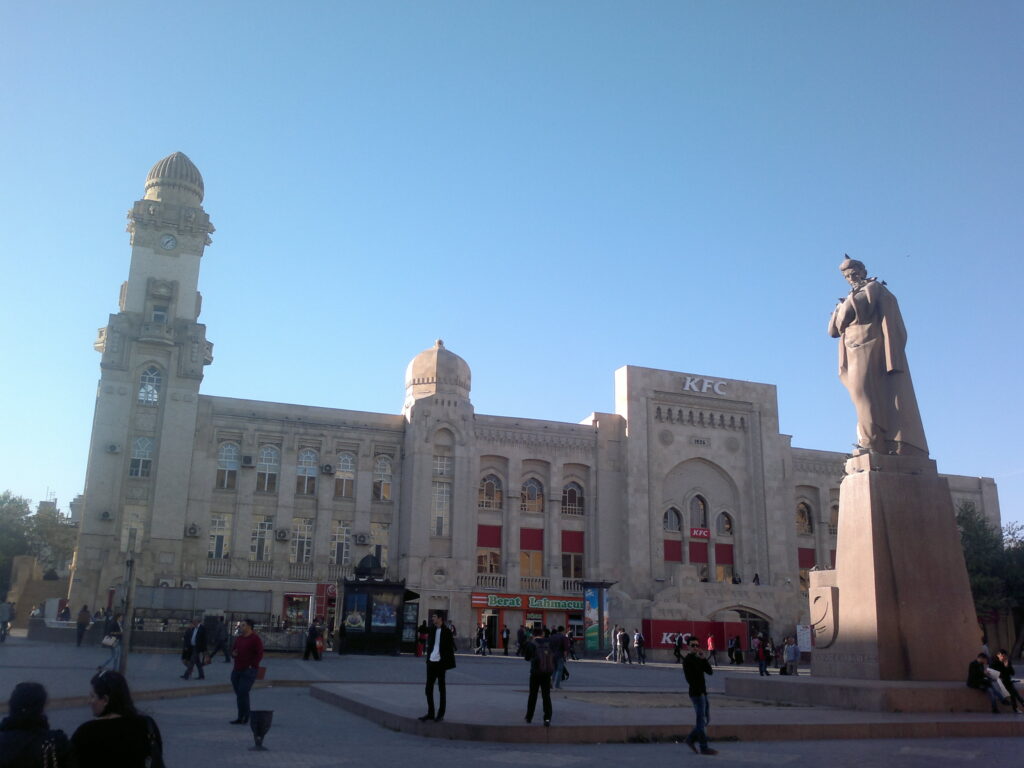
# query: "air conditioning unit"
326,469
105,514
247,462
192,530
281,534
361,538
113,448
167,582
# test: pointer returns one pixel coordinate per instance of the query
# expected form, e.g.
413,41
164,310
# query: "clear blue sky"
554,188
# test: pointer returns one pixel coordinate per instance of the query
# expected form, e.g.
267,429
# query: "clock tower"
153,354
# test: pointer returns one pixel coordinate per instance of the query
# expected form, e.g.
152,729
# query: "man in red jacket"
248,653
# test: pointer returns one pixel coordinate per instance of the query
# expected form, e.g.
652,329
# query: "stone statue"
873,366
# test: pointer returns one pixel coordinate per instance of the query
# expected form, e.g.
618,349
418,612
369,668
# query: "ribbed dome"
437,371
175,179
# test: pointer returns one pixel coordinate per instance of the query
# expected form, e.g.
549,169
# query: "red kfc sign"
700,533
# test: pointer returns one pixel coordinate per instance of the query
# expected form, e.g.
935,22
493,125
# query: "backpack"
545,657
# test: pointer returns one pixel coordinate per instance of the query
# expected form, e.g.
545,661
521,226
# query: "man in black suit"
194,642
440,657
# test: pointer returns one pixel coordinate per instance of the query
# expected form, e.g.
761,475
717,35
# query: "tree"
985,559
51,538
14,510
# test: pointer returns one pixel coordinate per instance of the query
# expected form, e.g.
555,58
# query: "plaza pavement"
601,702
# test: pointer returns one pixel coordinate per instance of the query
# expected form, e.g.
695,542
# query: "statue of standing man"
873,366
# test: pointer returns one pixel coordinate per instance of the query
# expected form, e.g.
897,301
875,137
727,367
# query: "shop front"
496,611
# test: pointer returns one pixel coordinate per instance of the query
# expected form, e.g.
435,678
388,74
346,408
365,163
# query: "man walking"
695,667
440,658
220,640
558,648
614,654
640,646
542,665
248,653
712,653
505,635
194,641
624,646
312,636
82,624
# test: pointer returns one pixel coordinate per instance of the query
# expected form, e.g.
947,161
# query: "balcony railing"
490,580
572,509
300,571
261,569
534,583
218,566
160,332
336,572
572,585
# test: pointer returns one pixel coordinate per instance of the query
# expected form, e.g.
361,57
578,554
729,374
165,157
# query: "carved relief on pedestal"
824,603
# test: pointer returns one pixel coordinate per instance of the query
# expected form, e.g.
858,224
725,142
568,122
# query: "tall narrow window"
149,386
142,457
341,534
488,549
531,552
673,521
262,540
572,499
302,540
490,495
268,468
531,497
441,508
220,537
382,478
305,471
379,534
698,512
572,554
227,465
724,525
804,519
345,476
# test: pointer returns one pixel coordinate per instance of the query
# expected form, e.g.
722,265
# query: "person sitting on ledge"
982,678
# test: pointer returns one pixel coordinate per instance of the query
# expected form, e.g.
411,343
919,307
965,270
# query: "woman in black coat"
26,740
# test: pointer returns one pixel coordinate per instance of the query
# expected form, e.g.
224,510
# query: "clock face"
167,242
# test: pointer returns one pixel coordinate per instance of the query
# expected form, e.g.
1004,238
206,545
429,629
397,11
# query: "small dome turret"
175,179
436,371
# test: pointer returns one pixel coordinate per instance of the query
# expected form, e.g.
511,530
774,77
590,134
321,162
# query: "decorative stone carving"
824,615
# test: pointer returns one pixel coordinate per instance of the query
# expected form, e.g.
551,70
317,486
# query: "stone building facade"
687,500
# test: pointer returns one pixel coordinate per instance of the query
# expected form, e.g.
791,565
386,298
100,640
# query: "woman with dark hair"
26,740
119,735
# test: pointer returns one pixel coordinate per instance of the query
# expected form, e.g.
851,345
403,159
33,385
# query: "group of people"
117,735
995,678
620,641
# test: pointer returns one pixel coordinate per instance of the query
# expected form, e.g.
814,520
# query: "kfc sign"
700,533
697,384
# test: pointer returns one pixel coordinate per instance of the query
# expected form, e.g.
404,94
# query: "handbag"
261,672
109,641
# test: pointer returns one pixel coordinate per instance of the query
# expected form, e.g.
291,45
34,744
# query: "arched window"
268,468
149,386
724,524
531,498
142,457
572,499
345,476
490,494
227,465
833,520
305,471
382,479
673,521
804,519
698,512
